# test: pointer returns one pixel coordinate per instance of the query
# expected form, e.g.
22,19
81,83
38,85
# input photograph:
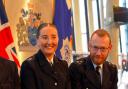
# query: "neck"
49,57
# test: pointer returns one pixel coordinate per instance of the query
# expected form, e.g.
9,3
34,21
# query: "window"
83,26
95,14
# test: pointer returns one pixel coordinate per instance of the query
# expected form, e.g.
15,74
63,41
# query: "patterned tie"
98,75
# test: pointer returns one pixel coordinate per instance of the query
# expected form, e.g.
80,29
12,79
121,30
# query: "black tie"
97,70
98,75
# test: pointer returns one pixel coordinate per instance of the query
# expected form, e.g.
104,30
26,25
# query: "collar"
101,65
50,60
43,59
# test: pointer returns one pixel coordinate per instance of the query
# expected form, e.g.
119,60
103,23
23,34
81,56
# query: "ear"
110,47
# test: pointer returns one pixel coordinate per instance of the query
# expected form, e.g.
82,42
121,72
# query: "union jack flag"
7,49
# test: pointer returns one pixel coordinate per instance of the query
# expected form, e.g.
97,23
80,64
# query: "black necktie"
97,70
98,75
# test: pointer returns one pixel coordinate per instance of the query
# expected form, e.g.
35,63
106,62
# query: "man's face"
99,48
48,40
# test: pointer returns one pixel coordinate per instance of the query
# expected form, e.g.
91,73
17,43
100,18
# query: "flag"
63,21
7,49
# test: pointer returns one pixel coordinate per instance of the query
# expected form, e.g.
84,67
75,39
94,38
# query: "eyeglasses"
102,49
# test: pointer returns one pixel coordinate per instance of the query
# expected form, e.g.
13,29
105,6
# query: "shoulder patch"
112,65
80,61
29,59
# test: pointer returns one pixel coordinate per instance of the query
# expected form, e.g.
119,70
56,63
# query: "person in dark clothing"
44,70
9,78
93,71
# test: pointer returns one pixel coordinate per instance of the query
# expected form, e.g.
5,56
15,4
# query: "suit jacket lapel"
106,76
90,73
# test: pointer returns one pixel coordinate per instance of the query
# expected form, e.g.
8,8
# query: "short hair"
101,33
42,25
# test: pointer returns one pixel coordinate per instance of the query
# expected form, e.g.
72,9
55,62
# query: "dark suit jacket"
9,78
37,73
83,75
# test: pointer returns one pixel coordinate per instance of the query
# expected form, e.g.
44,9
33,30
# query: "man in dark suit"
94,72
9,78
44,70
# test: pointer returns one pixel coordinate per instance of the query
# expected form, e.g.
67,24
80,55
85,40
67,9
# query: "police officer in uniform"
44,70
94,72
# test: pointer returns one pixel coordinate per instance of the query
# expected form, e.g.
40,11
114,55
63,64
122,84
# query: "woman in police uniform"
44,70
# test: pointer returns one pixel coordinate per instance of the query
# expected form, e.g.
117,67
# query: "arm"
27,76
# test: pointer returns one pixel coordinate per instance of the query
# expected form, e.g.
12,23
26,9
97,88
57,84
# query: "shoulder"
111,65
61,62
29,60
76,68
33,58
6,62
78,64
81,61
28,63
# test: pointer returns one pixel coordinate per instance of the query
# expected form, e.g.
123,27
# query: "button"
55,83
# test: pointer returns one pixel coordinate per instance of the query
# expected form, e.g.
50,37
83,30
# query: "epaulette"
112,65
30,58
80,61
